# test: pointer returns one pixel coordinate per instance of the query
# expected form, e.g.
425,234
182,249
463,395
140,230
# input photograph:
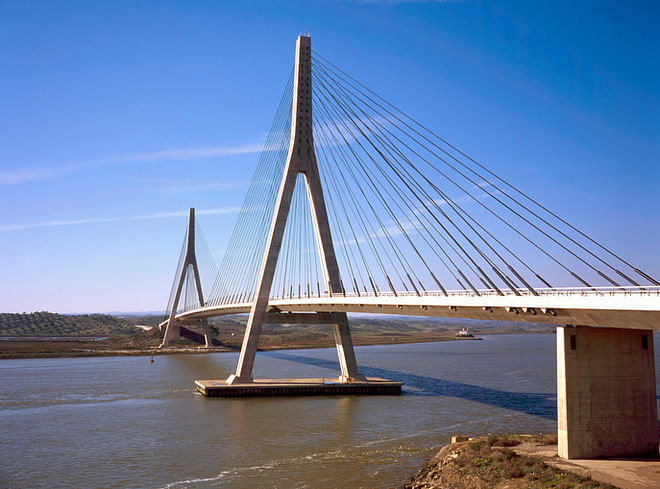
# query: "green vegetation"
50,324
145,320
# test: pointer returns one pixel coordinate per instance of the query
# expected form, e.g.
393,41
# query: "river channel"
123,422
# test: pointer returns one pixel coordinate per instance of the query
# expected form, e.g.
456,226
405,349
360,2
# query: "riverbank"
147,342
493,462
48,335
528,462
17,349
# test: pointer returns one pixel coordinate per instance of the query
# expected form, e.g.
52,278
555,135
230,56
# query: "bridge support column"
344,343
172,332
606,395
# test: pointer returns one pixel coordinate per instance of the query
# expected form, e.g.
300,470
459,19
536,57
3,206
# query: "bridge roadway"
609,307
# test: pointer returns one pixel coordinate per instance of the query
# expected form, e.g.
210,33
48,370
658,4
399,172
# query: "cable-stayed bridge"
356,207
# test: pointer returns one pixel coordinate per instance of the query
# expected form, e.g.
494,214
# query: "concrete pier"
606,395
297,387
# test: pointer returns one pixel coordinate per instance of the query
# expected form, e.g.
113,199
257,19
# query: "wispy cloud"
200,187
482,185
45,173
412,223
4,228
186,154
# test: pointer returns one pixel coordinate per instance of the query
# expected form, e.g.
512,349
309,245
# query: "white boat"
464,334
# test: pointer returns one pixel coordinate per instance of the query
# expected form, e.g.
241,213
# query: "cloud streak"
5,228
21,176
184,187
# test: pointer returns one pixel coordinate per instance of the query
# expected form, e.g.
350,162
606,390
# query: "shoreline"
48,335
182,350
72,347
528,462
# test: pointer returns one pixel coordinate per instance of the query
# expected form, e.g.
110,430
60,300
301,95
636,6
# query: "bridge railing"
556,292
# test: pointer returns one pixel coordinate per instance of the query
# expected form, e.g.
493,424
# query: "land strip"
45,334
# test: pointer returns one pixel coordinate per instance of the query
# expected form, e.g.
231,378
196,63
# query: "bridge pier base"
176,329
606,394
172,332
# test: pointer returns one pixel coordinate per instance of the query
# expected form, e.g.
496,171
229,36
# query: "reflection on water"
123,422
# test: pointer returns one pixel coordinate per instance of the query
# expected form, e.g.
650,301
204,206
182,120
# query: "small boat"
464,334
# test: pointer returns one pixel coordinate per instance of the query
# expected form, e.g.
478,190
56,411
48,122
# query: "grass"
493,461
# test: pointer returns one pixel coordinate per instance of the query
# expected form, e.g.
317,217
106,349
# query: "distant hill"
231,329
146,320
50,324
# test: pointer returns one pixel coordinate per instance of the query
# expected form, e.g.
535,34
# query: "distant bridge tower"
173,327
301,158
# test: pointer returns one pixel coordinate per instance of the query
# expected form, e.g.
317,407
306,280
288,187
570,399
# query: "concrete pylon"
173,328
301,158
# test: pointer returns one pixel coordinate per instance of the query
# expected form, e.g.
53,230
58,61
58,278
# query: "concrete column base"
172,332
235,379
606,395
355,378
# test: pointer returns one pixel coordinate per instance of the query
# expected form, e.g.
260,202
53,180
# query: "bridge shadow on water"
536,404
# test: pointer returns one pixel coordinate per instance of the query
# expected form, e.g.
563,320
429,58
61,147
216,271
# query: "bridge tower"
301,159
173,327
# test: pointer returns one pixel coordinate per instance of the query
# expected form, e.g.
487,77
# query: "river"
122,422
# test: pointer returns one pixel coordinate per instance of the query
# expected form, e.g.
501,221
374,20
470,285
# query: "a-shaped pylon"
173,327
301,158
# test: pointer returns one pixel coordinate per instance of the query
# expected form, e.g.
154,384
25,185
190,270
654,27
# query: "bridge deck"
631,307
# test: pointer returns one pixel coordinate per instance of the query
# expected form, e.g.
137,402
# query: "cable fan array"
417,214
239,269
409,213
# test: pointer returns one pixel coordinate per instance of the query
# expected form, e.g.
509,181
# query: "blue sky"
117,116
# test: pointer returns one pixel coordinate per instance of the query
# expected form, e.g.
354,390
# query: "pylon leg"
172,332
345,351
208,341
249,347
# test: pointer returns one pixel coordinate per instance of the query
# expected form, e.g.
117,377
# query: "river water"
121,422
